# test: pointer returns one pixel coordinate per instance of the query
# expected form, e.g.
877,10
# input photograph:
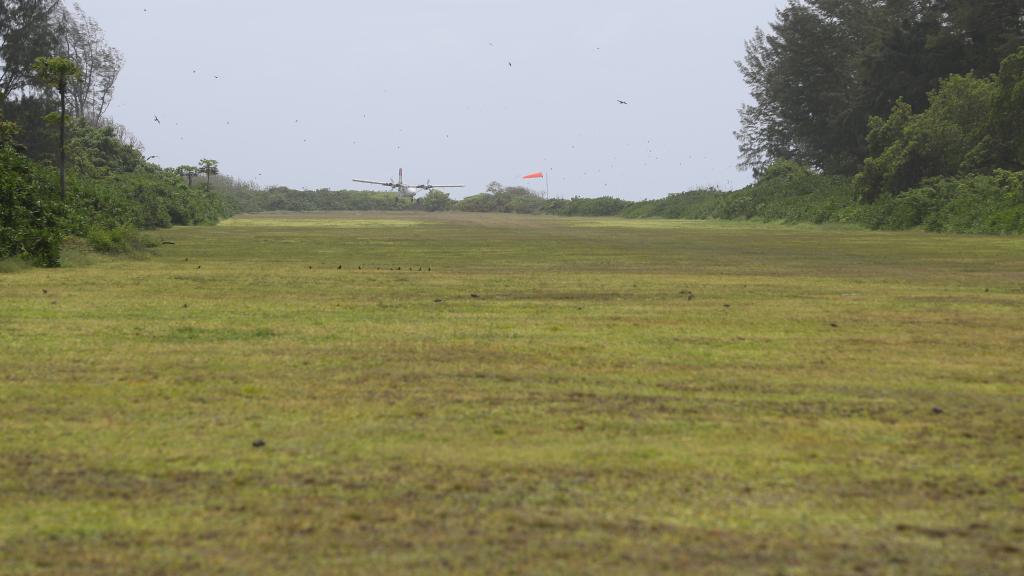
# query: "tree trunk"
63,104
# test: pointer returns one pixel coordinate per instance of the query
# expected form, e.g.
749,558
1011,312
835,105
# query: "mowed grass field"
492,394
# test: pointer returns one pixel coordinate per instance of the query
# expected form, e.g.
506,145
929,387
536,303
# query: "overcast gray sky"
311,94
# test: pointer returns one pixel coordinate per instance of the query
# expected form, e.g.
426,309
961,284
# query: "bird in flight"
156,119
623,102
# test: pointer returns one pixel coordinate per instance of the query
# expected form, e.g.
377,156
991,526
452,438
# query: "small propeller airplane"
403,188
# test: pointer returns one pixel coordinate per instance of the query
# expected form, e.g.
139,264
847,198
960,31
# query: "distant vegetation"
890,115
248,197
788,192
785,192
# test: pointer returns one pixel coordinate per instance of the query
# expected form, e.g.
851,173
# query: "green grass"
582,414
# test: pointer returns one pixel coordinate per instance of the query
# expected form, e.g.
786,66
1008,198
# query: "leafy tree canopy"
826,66
972,125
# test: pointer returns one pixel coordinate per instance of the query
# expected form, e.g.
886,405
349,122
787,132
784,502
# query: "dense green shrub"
577,206
118,240
971,126
32,218
696,204
111,192
790,193
247,198
499,199
979,204
785,192
435,201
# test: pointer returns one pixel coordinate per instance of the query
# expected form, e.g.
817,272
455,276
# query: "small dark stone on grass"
258,444
45,291
184,305
474,295
438,301
834,325
728,306
937,410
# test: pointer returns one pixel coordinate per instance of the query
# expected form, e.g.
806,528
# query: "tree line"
65,167
892,92
890,114
884,113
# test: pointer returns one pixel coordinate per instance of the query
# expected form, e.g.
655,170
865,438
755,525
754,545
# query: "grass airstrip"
490,394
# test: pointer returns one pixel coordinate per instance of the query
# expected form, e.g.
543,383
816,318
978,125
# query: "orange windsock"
533,176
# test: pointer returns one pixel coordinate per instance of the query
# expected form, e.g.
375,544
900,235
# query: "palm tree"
187,171
208,167
55,72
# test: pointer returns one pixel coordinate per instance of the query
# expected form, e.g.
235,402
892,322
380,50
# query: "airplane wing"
436,186
372,182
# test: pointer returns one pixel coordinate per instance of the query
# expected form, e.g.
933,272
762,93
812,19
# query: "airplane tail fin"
401,176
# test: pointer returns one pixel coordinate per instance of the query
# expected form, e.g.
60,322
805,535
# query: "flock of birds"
619,101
